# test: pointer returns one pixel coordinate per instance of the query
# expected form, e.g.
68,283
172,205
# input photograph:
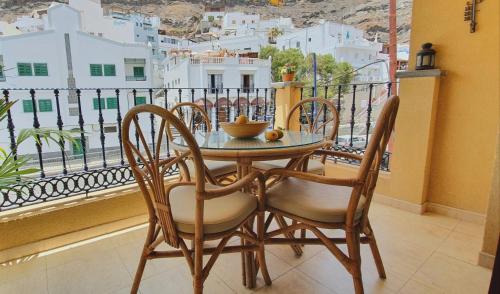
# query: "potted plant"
288,72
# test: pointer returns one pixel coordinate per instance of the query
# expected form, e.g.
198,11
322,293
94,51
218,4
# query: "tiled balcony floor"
422,254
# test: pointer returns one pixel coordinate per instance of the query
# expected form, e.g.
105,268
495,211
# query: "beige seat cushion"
314,201
313,166
221,214
216,168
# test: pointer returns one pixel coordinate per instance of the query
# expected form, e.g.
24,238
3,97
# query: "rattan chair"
325,121
314,201
196,119
196,211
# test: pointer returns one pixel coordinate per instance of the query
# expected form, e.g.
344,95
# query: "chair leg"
261,254
282,224
243,264
198,267
144,254
375,252
353,246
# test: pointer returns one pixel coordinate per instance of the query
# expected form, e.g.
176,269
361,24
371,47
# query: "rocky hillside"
181,17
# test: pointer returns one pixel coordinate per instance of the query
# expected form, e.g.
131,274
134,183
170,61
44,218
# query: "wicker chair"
196,211
197,120
314,201
325,122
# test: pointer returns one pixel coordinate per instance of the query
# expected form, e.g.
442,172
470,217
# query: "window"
73,111
27,105
96,70
45,105
151,38
215,82
243,22
40,69
138,71
96,103
112,103
247,83
297,45
109,70
1,71
24,69
234,21
140,100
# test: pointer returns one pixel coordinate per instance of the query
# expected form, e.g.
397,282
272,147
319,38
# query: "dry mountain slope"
181,17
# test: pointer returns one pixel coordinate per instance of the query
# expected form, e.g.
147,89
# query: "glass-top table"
219,140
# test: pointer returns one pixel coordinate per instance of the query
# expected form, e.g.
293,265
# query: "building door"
247,83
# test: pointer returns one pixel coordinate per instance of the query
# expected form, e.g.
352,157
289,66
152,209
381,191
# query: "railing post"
165,91
265,104
228,103
60,127
101,129
119,122
36,125
217,109
10,127
368,114
81,123
152,120
339,96
353,112
238,101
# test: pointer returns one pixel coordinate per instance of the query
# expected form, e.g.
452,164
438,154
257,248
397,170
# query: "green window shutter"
140,100
24,69
111,103
96,103
96,70
40,69
27,105
138,71
1,70
109,70
45,105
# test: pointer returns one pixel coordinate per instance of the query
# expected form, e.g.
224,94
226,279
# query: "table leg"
244,167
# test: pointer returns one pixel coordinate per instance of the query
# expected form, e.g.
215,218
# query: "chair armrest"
348,182
338,154
236,186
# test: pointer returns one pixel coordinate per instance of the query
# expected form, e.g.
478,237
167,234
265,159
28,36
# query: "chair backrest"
193,116
325,120
195,119
373,157
150,169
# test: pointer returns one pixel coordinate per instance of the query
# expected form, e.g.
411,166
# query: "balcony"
135,78
79,227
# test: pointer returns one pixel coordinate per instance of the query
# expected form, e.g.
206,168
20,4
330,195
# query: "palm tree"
273,34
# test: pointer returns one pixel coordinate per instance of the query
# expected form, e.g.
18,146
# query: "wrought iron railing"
95,161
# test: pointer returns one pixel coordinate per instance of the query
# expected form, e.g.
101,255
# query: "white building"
217,75
64,56
346,43
251,42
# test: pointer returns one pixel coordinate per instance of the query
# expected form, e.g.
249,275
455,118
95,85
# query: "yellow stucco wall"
468,104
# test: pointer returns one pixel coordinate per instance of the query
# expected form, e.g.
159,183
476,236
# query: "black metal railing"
358,106
95,159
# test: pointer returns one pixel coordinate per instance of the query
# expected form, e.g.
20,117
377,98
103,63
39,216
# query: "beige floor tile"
416,287
295,282
469,228
325,269
130,255
453,276
228,268
179,281
462,246
25,277
101,273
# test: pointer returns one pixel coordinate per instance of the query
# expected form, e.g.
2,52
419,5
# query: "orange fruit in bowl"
272,136
280,133
241,120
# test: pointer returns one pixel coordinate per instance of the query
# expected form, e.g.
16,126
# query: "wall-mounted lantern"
426,57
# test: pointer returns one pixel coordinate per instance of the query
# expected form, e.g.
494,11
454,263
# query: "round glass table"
220,146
